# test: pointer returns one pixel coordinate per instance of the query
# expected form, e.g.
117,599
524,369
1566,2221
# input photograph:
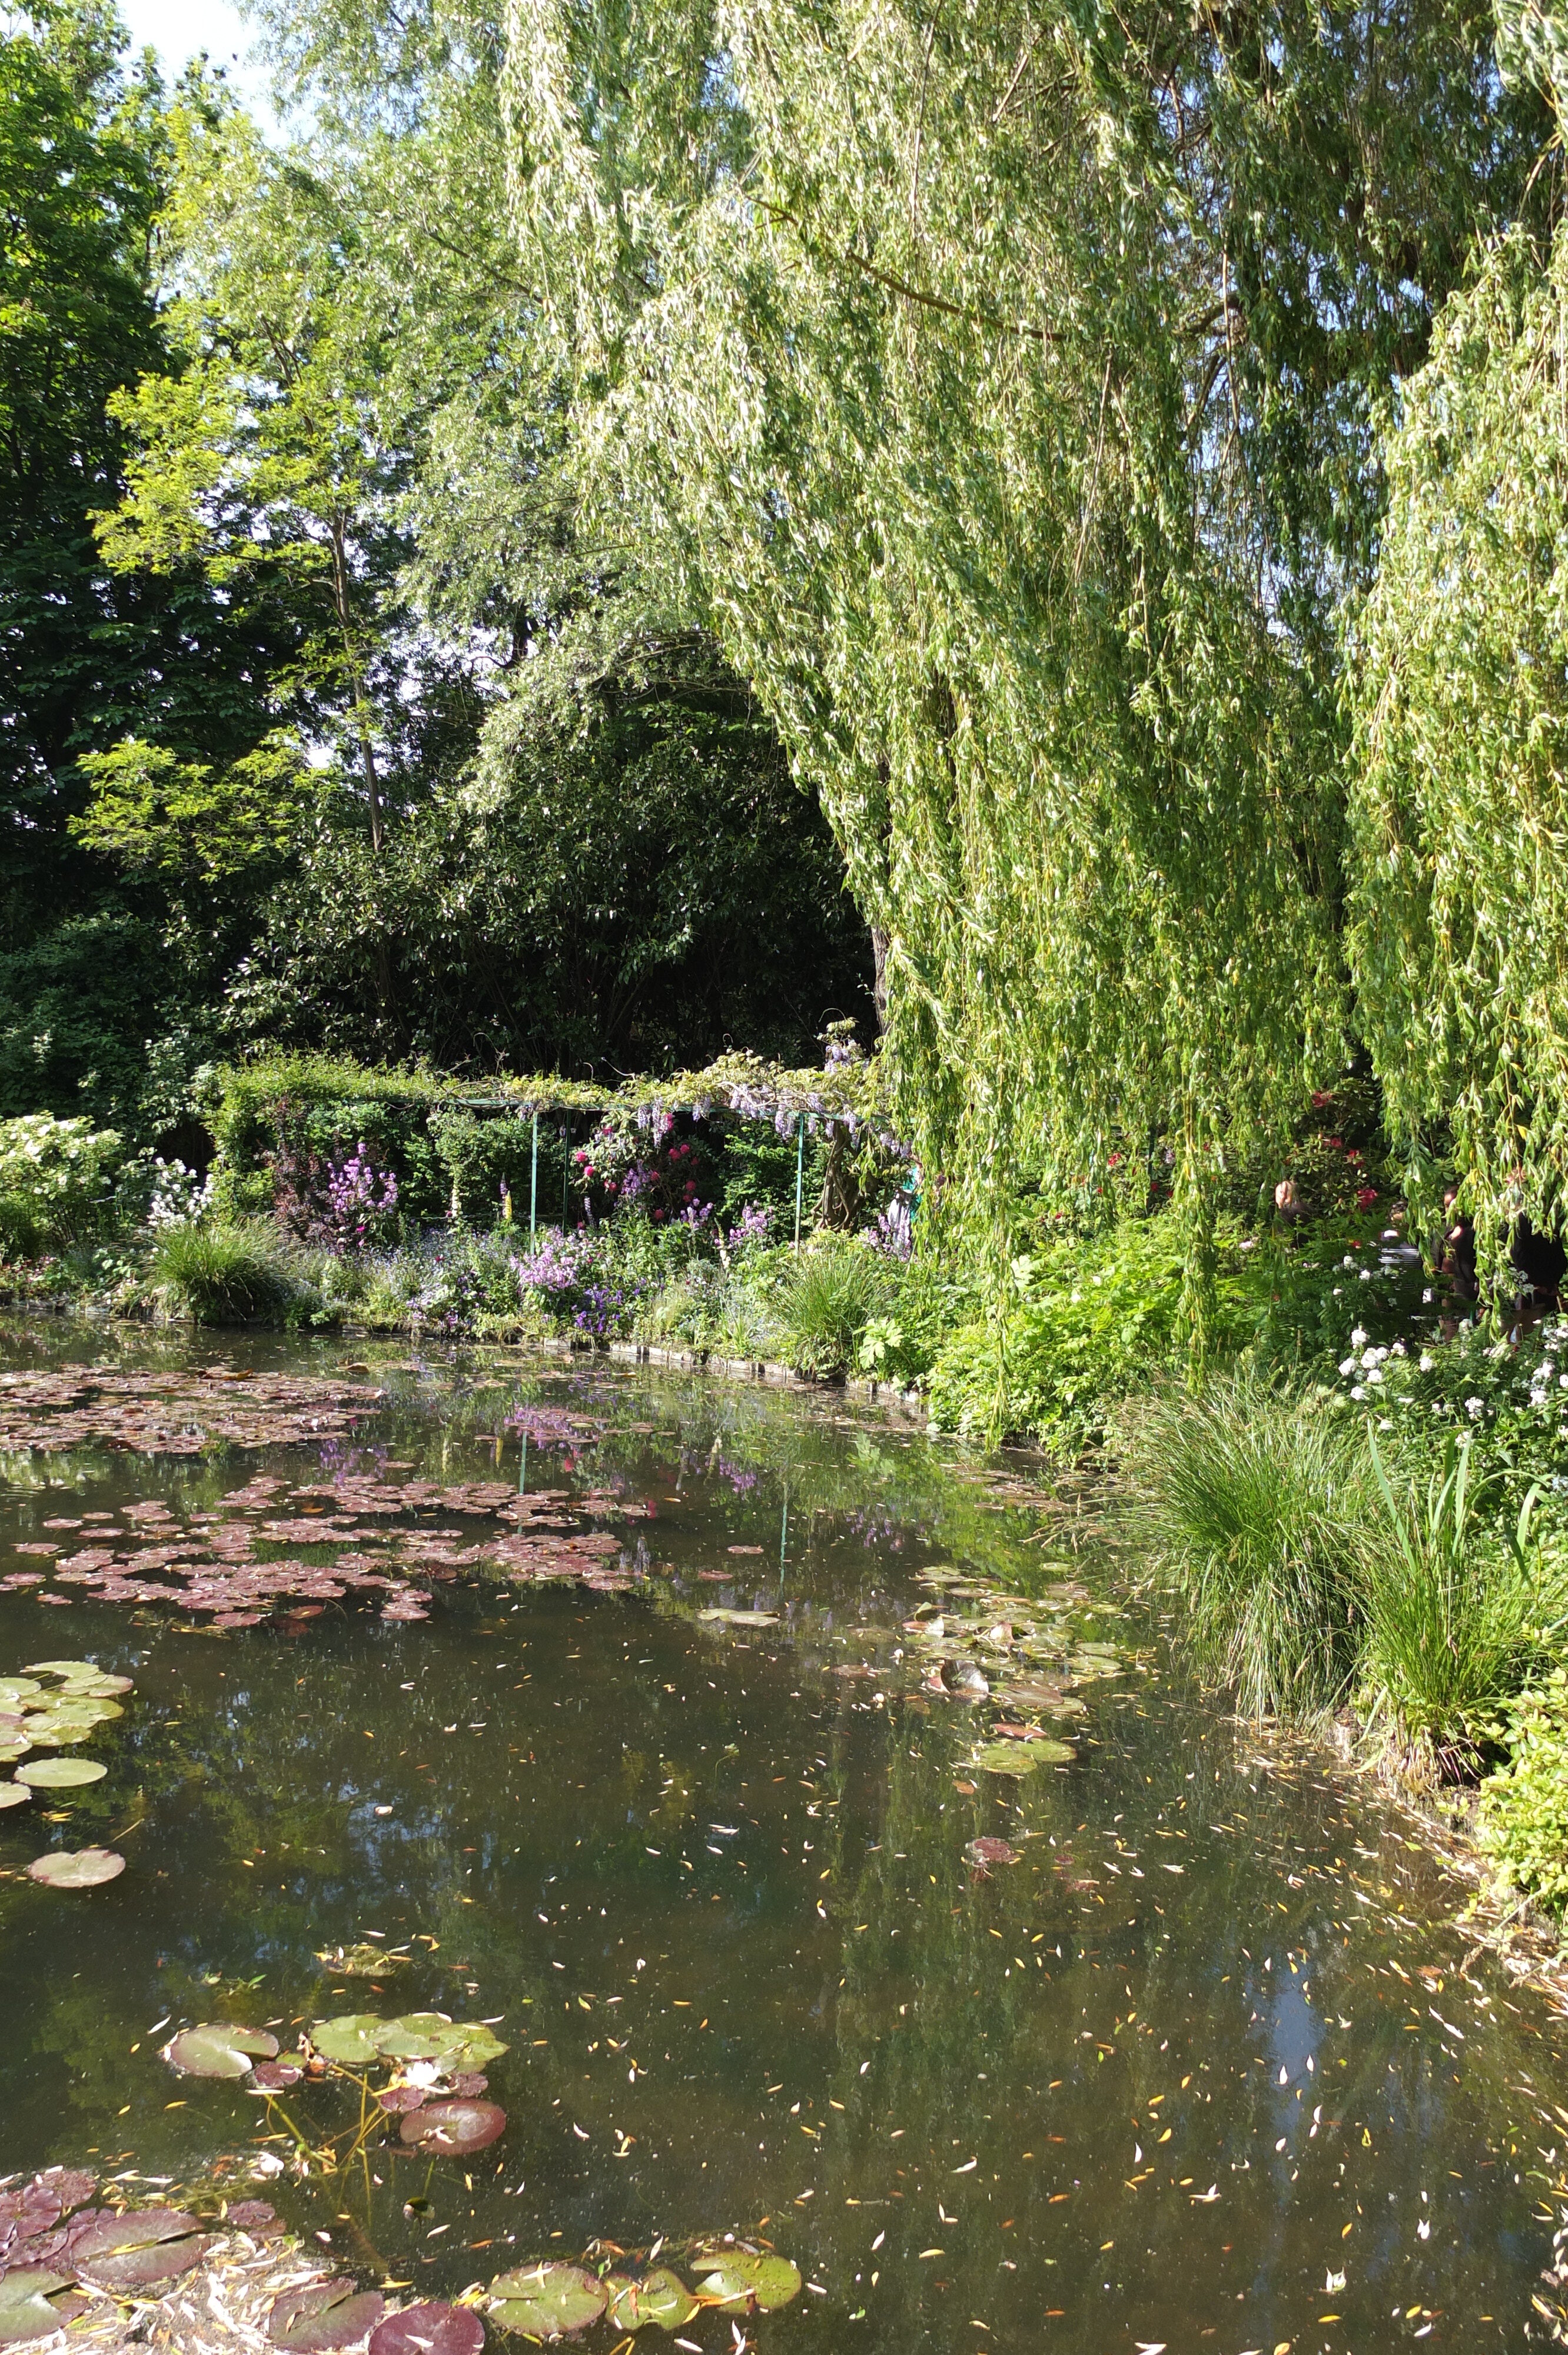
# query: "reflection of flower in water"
548,1427
739,1478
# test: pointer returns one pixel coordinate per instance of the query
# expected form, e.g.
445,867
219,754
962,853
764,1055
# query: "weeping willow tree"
1459,691
996,381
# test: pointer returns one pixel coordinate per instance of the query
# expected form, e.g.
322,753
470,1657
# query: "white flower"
1475,1408
1398,1350
1359,1337
1427,1296
1366,1275
1357,1393
1426,1362
1347,1261
1374,1374
1348,1365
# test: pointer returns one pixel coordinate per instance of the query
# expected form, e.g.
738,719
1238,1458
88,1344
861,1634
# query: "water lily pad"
14,1794
661,2296
82,1867
31,2304
274,2076
140,2251
350,2039
218,2050
60,1774
323,2315
1020,1757
15,1689
745,2282
989,1850
743,1618
455,2127
547,2301
429,2328
63,1669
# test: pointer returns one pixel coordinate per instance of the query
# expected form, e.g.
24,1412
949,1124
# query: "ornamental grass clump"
1462,1610
1257,1507
826,1302
221,1274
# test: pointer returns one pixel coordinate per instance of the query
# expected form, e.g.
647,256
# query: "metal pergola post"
800,1173
534,1184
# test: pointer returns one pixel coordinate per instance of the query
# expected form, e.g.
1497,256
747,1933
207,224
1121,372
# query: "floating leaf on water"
273,2076
548,2300
139,2251
31,2304
989,1850
455,2127
361,1962
323,2316
63,1669
742,2282
350,2039
15,1689
14,1794
661,2296
1019,1757
218,2050
257,2217
426,2036
398,2099
82,1867
429,2328
60,1774
741,1618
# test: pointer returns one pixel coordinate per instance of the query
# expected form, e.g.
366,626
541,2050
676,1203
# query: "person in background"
1287,1202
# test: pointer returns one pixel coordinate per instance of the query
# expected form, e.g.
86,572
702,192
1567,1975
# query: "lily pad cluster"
52,1707
554,2300
368,1535
56,2247
433,2094
973,1645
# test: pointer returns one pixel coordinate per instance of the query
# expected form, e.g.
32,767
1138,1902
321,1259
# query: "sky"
178,28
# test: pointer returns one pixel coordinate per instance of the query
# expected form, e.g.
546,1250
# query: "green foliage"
1459,807
222,1274
1458,1616
1524,1803
179,818
1013,437
1259,1508
58,1177
827,1301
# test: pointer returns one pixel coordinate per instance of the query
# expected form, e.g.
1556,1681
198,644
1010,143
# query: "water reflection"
1201,2049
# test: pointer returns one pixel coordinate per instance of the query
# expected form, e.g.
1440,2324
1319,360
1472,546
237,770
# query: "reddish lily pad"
140,2251
82,1867
274,2076
989,1850
323,2316
218,2050
455,2127
430,2328
547,2300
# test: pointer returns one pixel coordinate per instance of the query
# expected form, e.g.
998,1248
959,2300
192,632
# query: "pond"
1186,2054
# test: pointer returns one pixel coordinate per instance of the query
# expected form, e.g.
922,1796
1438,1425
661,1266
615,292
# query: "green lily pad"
82,1867
349,2040
218,2050
1020,1757
13,1794
661,2296
741,1618
547,2301
100,1688
323,2316
60,1774
30,2305
63,1669
357,2038
18,1689
744,2281
11,1751
141,2251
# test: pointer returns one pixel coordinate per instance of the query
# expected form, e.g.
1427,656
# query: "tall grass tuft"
1258,1507
1461,1610
220,1275
826,1302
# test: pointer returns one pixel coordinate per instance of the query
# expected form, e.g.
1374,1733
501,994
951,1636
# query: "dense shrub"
55,1181
221,1274
1524,1806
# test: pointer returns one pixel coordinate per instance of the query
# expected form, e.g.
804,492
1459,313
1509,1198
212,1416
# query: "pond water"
1195,2060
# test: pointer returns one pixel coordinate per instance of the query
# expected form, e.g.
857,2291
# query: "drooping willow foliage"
997,379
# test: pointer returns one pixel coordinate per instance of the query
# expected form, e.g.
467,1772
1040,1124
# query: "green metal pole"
799,1174
534,1184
